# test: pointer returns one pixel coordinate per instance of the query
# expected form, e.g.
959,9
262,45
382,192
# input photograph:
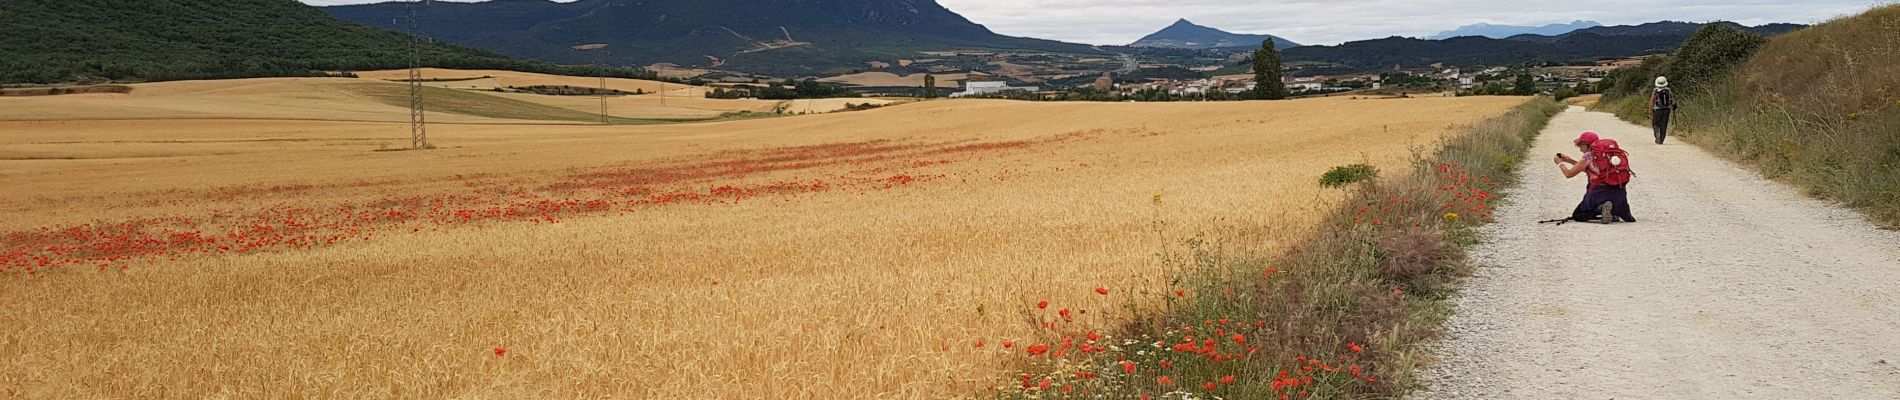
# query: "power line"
418,120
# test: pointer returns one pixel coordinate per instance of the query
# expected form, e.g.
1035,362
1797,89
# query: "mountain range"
1187,35
1505,31
1583,44
773,37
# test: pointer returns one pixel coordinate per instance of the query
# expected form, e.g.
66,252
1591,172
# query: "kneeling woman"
1608,169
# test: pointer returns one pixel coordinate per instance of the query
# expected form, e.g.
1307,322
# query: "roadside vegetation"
1817,108
1345,313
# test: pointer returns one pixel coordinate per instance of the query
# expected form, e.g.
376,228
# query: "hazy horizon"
1119,22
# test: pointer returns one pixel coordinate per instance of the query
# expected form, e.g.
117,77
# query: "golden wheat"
874,287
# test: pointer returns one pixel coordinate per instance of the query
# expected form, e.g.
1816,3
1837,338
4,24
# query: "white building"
982,88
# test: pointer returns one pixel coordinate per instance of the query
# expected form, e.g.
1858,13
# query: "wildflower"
1227,380
1128,367
1355,370
1355,347
1396,292
1164,381
499,351
1157,199
1208,386
1042,304
1067,389
1101,291
1238,339
1094,336
1179,293
1451,216
1044,385
1166,363
1008,344
1037,350
979,343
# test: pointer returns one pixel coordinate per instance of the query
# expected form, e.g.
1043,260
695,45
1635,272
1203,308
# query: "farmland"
244,238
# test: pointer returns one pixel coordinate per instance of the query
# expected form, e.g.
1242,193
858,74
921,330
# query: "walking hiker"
1607,166
1662,105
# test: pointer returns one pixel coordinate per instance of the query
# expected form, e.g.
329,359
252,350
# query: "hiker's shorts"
1615,195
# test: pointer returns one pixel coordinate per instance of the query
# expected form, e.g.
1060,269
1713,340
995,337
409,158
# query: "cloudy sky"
1335,21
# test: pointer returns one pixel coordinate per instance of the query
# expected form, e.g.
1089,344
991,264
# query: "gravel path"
1730,287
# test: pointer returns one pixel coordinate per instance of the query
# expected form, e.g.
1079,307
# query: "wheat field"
848,255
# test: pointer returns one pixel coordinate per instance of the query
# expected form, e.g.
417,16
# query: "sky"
1334,21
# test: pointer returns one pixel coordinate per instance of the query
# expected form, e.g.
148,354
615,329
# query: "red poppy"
1008,344
979,343
1164,381
1044,385
1094,336
1128,367
1227,380
1209,386
1101,291
499,351
1179,293
1166,363
1037,350
1042,304
1238,339
1355,347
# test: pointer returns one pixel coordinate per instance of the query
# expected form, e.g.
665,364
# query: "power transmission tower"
418,121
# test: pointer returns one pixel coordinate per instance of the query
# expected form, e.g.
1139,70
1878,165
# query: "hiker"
1662,105
1605,200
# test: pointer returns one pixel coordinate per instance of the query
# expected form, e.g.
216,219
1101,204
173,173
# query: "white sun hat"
1662,81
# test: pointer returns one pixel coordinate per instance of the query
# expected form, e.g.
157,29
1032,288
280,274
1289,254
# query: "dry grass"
886,79
344,99
872,287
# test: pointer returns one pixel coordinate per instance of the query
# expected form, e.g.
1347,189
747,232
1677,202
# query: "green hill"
1187,35
63,41
773,37
1818,107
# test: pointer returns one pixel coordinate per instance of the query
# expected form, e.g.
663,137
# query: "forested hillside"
773,37
68,41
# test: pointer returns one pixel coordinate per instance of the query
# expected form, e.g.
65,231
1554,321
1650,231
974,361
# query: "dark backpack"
1611,164
1665,99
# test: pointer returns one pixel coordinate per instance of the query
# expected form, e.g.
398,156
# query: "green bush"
1348,174
1708,56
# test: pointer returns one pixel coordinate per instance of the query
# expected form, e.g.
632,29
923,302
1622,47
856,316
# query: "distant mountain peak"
1504,31
1186,34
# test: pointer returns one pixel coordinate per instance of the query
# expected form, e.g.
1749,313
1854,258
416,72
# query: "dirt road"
1730,287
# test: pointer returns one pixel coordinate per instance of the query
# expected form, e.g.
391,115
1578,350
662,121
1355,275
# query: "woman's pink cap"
1588,137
